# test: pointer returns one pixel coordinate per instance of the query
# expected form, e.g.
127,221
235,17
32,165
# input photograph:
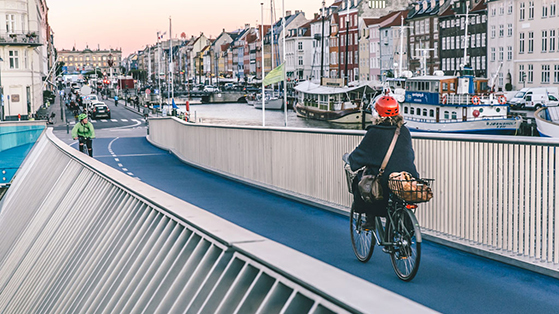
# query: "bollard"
67,127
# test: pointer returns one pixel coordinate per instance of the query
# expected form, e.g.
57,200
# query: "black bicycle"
398,233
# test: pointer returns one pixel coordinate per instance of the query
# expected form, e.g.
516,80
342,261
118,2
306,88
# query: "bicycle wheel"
362,240
406,252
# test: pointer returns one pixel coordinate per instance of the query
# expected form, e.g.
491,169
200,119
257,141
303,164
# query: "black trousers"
88,142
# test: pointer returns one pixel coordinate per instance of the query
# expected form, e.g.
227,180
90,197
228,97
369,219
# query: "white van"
535,97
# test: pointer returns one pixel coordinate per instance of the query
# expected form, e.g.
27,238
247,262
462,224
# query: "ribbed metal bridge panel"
81,237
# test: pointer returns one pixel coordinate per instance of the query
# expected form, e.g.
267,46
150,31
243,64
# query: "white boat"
250,98
450,104
547,121
334,104
271,102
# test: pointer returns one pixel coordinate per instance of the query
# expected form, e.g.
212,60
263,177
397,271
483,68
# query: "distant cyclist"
84,132
146,112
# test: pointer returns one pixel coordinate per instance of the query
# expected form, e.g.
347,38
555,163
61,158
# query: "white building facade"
23,48
536,56
503,43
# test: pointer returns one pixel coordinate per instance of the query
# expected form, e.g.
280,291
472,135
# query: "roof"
479,7
431,78
312,88
394,20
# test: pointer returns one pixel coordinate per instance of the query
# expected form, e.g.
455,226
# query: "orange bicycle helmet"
387,106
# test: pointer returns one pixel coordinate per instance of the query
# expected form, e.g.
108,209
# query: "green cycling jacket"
84,130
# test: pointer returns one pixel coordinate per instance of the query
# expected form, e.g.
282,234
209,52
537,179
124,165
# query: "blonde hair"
397,120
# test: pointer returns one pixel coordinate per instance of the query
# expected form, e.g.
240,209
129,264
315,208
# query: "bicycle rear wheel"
406,252
362,240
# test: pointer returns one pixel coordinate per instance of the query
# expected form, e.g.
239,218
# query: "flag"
174,105
276,75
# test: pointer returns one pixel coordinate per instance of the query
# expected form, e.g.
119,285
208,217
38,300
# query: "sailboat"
273,100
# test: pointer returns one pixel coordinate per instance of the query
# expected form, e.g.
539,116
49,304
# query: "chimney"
315,16
247,26
287,13
224,30
297,12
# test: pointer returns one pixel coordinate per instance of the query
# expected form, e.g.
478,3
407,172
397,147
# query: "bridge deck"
449,281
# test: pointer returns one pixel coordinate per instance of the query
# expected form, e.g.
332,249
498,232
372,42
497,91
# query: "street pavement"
449,281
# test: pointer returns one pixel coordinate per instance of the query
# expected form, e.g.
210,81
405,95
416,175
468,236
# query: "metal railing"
81,237
494,195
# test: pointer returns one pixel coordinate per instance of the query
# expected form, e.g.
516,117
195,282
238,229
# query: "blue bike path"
449,281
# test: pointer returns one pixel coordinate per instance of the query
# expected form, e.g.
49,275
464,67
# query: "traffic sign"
148,91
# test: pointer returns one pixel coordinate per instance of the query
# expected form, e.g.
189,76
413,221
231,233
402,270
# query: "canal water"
243,114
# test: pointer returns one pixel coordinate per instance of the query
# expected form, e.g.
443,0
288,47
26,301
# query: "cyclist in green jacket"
84,132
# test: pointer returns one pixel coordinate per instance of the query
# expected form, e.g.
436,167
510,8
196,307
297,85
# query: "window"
552,8
522,11
493,11
509,8
300,60
10,23
14,59
521,45
412,111
509,30
436,51
446,115
530,42
431,113
544,41
483,62
551,40
530,73
545,73
556,74
300,46
492,53
454,115
521,73
26,59
492,31
509,53
544,10
501,53
483,39
501,30
530,10
406,110
478,40
502,9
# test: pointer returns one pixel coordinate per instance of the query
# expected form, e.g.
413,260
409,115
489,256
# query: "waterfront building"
389,31
88,60
503,38
334,38
536,56
193,49
25,42
372,51
320,29
452,25
423,37
259,50
299,53
217,51
348,39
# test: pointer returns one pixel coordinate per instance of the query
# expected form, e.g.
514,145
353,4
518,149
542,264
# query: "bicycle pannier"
370,188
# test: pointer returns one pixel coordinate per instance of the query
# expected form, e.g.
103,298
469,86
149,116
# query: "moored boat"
547,121
456,104
334,104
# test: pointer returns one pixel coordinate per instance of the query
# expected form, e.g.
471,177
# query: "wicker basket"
412,191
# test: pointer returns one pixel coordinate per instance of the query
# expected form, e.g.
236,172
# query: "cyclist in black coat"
373,148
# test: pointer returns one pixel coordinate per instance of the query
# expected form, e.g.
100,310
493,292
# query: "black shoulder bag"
369,185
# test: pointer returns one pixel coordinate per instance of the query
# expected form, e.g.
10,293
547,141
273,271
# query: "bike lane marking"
125,170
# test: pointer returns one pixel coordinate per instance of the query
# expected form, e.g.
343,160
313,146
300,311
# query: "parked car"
211,89
228,86
99,109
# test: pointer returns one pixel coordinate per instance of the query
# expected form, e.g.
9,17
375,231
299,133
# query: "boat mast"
347,41
262,64
283,61
322,43
401,46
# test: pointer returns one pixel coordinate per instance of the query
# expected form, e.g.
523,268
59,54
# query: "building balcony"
28,39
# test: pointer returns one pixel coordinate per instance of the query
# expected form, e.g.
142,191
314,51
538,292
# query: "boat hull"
272,104
504,126
546,128
336,116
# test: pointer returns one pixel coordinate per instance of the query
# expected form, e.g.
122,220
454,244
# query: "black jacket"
373,148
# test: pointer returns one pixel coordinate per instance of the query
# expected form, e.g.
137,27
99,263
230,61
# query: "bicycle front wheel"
362,239
406,250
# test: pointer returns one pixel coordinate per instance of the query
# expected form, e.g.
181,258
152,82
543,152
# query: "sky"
132,24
